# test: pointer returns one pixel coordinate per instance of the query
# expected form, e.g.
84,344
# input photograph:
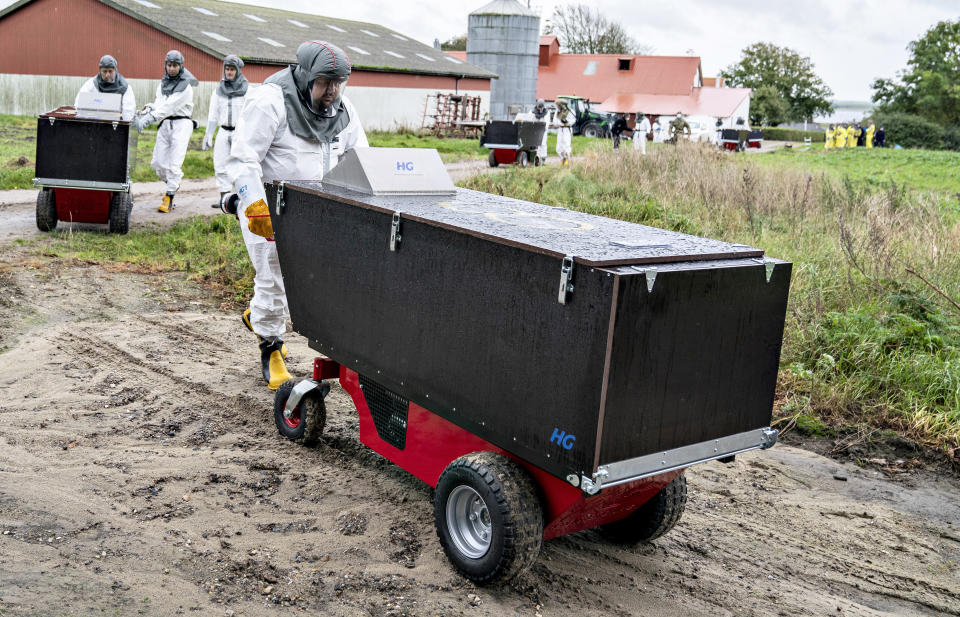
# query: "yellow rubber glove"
258,219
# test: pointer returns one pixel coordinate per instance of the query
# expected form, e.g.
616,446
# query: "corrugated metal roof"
505,7
597,76
271,36
714,102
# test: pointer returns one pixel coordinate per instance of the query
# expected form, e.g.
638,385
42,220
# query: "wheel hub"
468,521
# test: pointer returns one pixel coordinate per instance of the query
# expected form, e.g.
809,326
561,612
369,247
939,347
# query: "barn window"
426,58
299,24
337,28
149,5
215,36
591,68
623,64
373,34
254,18
359,51
204,11
271,42
393,53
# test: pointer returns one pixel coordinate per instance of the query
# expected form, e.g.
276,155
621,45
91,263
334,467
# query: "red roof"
598,76
715,102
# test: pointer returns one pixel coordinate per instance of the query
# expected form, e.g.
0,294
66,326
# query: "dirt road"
141,474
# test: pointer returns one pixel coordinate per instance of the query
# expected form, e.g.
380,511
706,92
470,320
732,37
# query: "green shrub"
911,131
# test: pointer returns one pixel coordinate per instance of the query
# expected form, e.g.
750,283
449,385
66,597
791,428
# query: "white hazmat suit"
265,149
640,131
564,124
173,112
224,112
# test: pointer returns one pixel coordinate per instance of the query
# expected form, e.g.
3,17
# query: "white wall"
384,109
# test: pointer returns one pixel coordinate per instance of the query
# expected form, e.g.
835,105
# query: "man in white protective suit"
110,81
296,126
226,103
172,109
640,130
564,122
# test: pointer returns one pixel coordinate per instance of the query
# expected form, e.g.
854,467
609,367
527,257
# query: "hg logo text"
404,166
562,439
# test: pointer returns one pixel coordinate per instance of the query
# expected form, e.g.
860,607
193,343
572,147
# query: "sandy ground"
141,474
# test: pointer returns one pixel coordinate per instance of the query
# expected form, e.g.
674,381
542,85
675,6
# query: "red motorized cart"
84,159
513,142
547,371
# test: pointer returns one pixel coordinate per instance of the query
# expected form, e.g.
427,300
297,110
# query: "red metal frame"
82,206
432,443
504,156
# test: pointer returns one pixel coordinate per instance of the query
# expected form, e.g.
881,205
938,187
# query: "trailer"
545,370
513,142
83,165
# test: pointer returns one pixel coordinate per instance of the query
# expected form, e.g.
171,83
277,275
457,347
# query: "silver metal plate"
620,472
391,171
81,184
296,394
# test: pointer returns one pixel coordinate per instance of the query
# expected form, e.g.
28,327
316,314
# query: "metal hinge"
566,279
280,201
51,120
395,231
115,124
769,266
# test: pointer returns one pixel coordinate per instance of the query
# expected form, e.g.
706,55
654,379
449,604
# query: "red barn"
48,48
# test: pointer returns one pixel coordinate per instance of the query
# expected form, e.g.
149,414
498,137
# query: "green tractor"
588,123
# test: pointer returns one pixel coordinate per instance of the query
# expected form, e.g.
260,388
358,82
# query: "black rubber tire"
537,162
652,519
311,414
46,210
522,158
591,130
516,516
492,159
120,206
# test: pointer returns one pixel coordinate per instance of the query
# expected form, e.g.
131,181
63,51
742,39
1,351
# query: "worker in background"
172,108
226,103
679,127
109,81
657,131
840,139
564,122
861,134
851,136
870,131
828,142
881,138
640,130
296,126
619,126
539,114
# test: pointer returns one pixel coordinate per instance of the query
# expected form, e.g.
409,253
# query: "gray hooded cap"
118,85
315,59
236,86
169,85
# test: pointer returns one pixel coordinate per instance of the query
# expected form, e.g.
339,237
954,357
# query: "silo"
504,37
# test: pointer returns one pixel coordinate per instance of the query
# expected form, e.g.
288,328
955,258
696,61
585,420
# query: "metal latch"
566,279
51,119
280,201
395,231
115,124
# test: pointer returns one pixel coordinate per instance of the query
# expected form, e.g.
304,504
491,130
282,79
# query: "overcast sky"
850,41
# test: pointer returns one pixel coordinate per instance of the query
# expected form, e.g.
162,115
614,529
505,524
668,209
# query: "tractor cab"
588,123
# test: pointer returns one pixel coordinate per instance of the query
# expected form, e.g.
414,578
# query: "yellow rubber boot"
167,204
272,364
245,318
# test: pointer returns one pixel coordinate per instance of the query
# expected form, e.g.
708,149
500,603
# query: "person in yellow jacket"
828,142
851,137
870,130
840,137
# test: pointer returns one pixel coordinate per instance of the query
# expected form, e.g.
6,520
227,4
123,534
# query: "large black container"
84,150
468,306
523,135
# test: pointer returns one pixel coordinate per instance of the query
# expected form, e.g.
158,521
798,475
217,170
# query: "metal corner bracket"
566,279
395,231
281,202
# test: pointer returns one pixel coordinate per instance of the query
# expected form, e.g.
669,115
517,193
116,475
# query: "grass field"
935,170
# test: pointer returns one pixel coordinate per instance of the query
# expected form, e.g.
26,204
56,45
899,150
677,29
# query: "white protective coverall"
128,104
225,113
640,131
263,150
564,135
173,136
